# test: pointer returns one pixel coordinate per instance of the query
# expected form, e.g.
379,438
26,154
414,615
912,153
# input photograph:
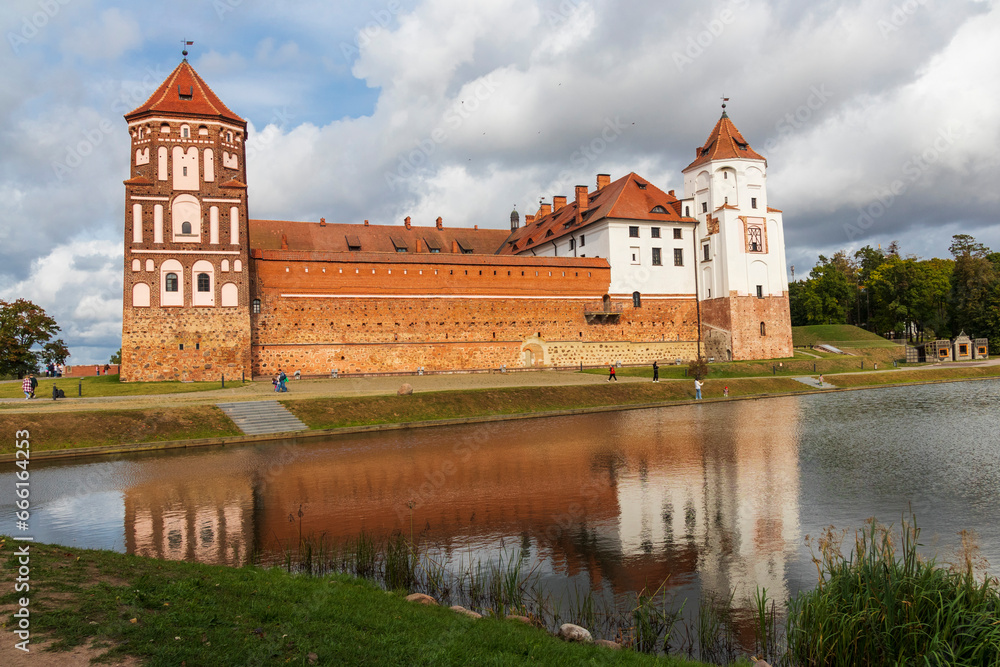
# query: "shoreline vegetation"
880,598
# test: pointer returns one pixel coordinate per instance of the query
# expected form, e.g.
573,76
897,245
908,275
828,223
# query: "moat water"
716,498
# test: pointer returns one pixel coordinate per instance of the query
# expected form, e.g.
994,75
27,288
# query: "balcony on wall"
602,312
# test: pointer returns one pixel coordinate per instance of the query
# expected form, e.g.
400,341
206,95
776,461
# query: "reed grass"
886,603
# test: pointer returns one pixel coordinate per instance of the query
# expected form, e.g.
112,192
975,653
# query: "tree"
698,368
975,288
23,325
116,358
54,352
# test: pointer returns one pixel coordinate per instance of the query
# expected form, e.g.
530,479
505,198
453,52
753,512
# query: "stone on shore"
574,633
465,612
405,390
421,598
607,643
519,619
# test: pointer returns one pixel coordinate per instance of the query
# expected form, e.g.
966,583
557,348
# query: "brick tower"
187,269
742,285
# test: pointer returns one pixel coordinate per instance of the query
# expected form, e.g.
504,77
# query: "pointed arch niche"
185,209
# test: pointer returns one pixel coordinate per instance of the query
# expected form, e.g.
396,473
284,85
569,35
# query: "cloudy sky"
879,119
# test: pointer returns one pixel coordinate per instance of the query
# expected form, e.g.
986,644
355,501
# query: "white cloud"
109,36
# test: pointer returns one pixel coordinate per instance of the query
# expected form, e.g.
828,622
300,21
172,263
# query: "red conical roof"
184,93
725,143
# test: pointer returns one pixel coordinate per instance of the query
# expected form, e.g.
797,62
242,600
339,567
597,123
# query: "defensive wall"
378,312
747,326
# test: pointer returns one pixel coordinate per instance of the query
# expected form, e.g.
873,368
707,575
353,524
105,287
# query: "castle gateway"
624,272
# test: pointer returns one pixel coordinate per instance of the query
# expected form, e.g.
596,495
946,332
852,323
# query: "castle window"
706,252
171,285
678,232
572,244
755,241
184,171
634,250
185,132
704,207
633,232
657,260
185,227
678,257
763,329
202,277
229,137
204,283
636,300
760,291
753,202
687,211
655,231
256,306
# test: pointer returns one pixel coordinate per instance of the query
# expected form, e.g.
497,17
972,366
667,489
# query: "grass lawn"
838,335
944,373
174,613
106,385
72,430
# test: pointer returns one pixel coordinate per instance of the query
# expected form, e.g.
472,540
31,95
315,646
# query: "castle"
624,272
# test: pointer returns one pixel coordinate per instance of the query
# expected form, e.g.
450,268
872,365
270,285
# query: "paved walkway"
814,382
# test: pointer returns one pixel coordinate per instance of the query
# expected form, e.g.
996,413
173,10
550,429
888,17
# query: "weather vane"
724,100
184,45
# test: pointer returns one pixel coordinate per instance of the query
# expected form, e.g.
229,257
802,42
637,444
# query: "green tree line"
904,296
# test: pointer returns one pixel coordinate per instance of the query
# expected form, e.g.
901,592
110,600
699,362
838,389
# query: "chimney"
475,226
284,242
366,223
406,222
439,223
558,202
603,180
454,246
582,202
528,219
322,222
544,210
420,245
671,193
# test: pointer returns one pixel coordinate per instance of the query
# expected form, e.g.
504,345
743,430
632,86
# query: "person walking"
34,383
821,379
26,387
698,384
656,372
611,373
725,391
274,381
282,380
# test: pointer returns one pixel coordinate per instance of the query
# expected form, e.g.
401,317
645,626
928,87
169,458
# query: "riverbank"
139,428
130,610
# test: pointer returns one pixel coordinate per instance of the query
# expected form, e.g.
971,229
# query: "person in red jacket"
611,373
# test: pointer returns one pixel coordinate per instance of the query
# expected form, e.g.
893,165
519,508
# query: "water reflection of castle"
629,498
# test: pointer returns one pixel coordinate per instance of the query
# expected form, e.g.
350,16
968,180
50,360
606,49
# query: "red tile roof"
337,237
184,93
725,143
631,197
138,180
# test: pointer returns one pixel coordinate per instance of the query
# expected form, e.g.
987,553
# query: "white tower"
742,285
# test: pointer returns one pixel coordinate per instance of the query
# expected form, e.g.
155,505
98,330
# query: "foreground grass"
173,613
106,385
73,430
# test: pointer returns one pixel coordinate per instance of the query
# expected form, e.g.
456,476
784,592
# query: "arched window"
171,286
636,300
763,329
185,219
185,132
185,227
203,279
256,306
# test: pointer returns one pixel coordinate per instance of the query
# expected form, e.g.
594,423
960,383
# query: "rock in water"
574,633
421,598
405,390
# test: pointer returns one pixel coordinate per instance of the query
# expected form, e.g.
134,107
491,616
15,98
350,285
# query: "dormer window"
353,243
642,186
185,94
659,209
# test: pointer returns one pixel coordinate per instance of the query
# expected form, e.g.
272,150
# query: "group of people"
698,384
54,370
280,381
29,385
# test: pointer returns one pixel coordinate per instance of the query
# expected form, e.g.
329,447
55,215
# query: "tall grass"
887,604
